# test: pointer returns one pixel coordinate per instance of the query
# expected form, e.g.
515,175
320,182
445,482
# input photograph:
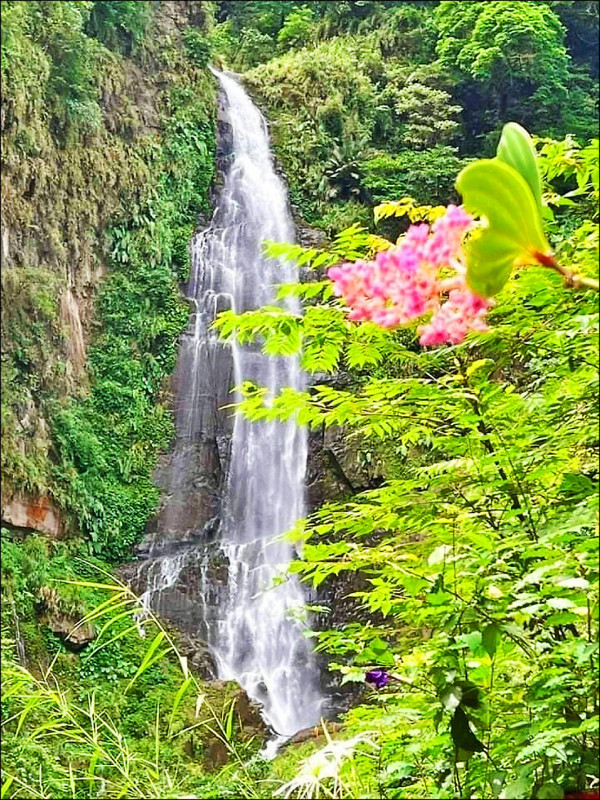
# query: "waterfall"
247,606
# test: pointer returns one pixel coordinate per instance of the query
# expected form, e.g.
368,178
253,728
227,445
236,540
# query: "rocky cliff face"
190,476
68,182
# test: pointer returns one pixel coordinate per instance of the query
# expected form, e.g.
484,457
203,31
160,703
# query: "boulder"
249,712
313,733
197,653
248,725
75,637
33,513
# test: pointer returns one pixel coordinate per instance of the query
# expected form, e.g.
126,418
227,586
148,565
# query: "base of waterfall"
274,745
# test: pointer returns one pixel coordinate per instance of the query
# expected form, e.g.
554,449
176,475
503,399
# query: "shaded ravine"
214,562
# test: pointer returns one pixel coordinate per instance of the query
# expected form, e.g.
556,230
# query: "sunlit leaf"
511,232
516,149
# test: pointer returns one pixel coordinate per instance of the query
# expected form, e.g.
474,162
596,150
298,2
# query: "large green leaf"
490,638
512,230
515,148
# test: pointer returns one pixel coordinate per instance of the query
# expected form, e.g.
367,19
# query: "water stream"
249,609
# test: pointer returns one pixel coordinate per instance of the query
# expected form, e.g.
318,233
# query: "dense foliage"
480,550
472,558
361,81
478,554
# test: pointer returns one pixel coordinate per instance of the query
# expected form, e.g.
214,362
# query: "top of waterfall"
227,72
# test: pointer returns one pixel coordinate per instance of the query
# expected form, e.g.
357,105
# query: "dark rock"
198,654
313,733
193,600
74,636
341,697
211,529
309,236
249,713
336,467
216,755
249,722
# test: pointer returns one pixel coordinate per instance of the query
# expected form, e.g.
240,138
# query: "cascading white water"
258,639
251,620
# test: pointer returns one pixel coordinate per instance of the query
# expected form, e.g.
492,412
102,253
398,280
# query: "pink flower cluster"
404,283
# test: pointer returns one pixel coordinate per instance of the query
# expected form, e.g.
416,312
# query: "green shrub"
253,48
428,176
298,29
119,25
182,262
340,216
197,47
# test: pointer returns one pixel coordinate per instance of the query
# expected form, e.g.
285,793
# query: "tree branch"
337,468
573,279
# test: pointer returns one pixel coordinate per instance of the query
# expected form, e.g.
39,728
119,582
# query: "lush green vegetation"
94,429
480,550
349,83
109,440
477,553
123,717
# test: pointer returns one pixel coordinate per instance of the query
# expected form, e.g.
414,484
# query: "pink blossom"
448,232
405,283
461,313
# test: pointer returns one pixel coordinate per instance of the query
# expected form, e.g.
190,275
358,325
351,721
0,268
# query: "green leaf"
92,767
490,639
34,701
178,697
515,148
147,661
560,602
6,786
439,554
378,646
573,583
477,365
356,675
512,231
472,640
